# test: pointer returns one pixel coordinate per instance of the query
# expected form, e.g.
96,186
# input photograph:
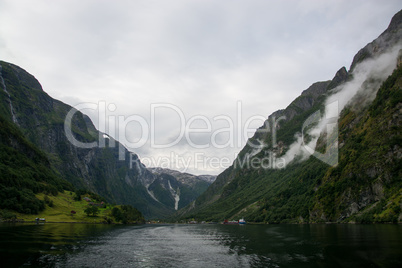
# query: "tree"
117,214
77,197
92,210
127,214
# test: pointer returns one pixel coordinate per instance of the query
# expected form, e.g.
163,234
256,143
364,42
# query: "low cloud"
356,94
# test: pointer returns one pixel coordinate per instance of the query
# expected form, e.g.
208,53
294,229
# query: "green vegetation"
24,172
126,214
369,166
91,210
267,195
381,211
7,215
66,209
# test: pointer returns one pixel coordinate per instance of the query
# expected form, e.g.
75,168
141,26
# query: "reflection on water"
81,245
29,243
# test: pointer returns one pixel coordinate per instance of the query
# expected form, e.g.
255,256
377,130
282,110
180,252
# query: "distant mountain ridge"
364,186
177,187
183,176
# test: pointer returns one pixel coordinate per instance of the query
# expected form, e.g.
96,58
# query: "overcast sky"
201,61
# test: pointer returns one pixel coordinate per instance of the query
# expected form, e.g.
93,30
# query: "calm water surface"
81,245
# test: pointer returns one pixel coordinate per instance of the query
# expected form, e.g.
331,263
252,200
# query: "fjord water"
85,245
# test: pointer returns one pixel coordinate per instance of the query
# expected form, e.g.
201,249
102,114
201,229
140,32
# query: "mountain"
333,155
107,169
176,188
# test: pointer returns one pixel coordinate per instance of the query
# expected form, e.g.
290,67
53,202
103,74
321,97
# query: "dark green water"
80,245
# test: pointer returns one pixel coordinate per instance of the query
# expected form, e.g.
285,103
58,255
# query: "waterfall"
14,117
176,195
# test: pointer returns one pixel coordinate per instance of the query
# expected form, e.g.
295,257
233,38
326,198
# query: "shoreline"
74,222
170,223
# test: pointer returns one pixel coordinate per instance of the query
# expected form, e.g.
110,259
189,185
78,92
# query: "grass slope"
63,204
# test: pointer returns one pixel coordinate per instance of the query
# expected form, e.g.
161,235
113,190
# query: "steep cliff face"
176,188
24,172
41,119
366,185
356,166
